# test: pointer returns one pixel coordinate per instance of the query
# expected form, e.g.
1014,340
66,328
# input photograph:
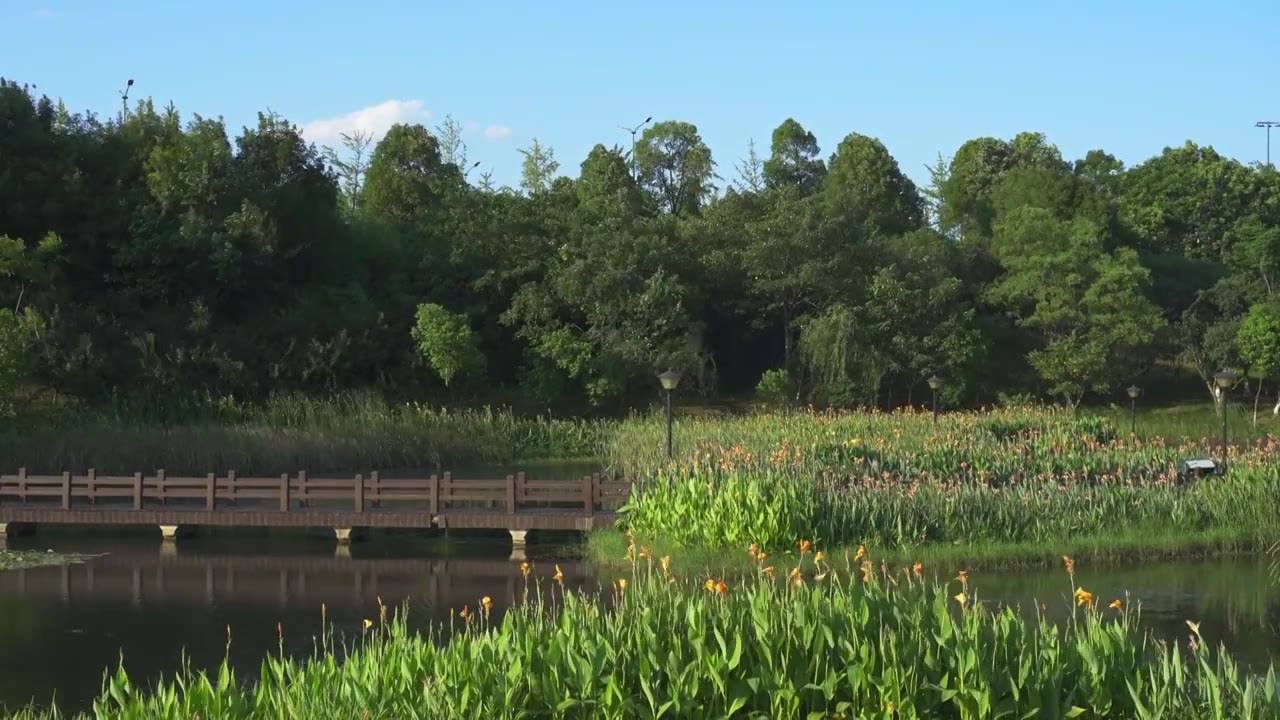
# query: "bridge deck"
513,503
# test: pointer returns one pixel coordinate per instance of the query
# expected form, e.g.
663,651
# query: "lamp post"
1224,380
670,380
1268,124
634,169
935,384
1134,391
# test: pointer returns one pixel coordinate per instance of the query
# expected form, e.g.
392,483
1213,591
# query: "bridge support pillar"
518,538
169,532
4,530
343,535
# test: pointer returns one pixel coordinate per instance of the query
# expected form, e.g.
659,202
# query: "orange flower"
559,576
1116,605
666,563
866,571
805,546
721,588
819,557
524,569
487,603
1084,597
762,557
753,550
465,614
862,552
644,553
1070,565
768,571
963,577
918,569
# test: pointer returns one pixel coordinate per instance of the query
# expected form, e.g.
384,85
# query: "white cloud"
497,132
42,14
375,120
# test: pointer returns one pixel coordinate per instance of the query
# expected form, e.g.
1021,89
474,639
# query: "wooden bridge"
516,503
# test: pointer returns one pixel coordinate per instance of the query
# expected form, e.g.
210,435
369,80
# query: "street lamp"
635,169
1268,124
935,384
670,381
467,172
1224,380
1134,391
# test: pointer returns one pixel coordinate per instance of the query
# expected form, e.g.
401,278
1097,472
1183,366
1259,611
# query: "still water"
61,628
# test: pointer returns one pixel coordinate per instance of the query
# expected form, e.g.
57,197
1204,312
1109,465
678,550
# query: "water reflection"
61,627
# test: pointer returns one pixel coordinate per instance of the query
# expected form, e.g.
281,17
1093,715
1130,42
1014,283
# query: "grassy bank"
345,434
807,639
608,549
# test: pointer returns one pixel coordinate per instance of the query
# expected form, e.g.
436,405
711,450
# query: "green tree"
445,340
1087,305
1259,341
793,161
675,165
538,168
866,193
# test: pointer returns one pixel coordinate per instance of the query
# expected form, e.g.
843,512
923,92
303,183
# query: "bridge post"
343,535
169,533
4,530
518,542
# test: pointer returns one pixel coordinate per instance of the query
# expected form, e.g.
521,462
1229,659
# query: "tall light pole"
1134,391
1268,124
1224,380
670,381
935,384
633,130
124,100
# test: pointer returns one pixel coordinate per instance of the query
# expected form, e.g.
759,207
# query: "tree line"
145,253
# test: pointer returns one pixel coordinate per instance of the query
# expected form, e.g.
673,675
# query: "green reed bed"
805,640
348,434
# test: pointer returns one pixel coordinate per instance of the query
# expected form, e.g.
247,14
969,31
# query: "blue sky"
1128,77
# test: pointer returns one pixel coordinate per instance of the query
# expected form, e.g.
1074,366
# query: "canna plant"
812,640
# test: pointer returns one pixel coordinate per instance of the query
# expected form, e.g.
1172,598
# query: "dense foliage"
893,481
814,639
153,253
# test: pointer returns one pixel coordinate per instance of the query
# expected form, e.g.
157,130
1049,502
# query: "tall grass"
817,641
347,433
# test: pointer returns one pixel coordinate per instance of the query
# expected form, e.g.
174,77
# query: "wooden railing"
437,494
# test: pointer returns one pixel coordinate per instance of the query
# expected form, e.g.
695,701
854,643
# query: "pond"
62,627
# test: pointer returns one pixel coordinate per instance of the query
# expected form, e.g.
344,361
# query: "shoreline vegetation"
796,637
25,559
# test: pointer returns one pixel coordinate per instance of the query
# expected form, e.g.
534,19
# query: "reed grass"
817,638
345,434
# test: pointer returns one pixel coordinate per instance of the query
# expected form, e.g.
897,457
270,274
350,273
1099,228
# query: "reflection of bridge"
516,503
213,579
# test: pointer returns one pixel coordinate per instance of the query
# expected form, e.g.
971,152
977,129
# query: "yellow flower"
819,557
524,569
762,557
795,572
866,571
862,552
487,603
666,563
644,553
805,546
1084,597
709,584
559,576
368,623
622,584
961,598
1116,605
465,614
